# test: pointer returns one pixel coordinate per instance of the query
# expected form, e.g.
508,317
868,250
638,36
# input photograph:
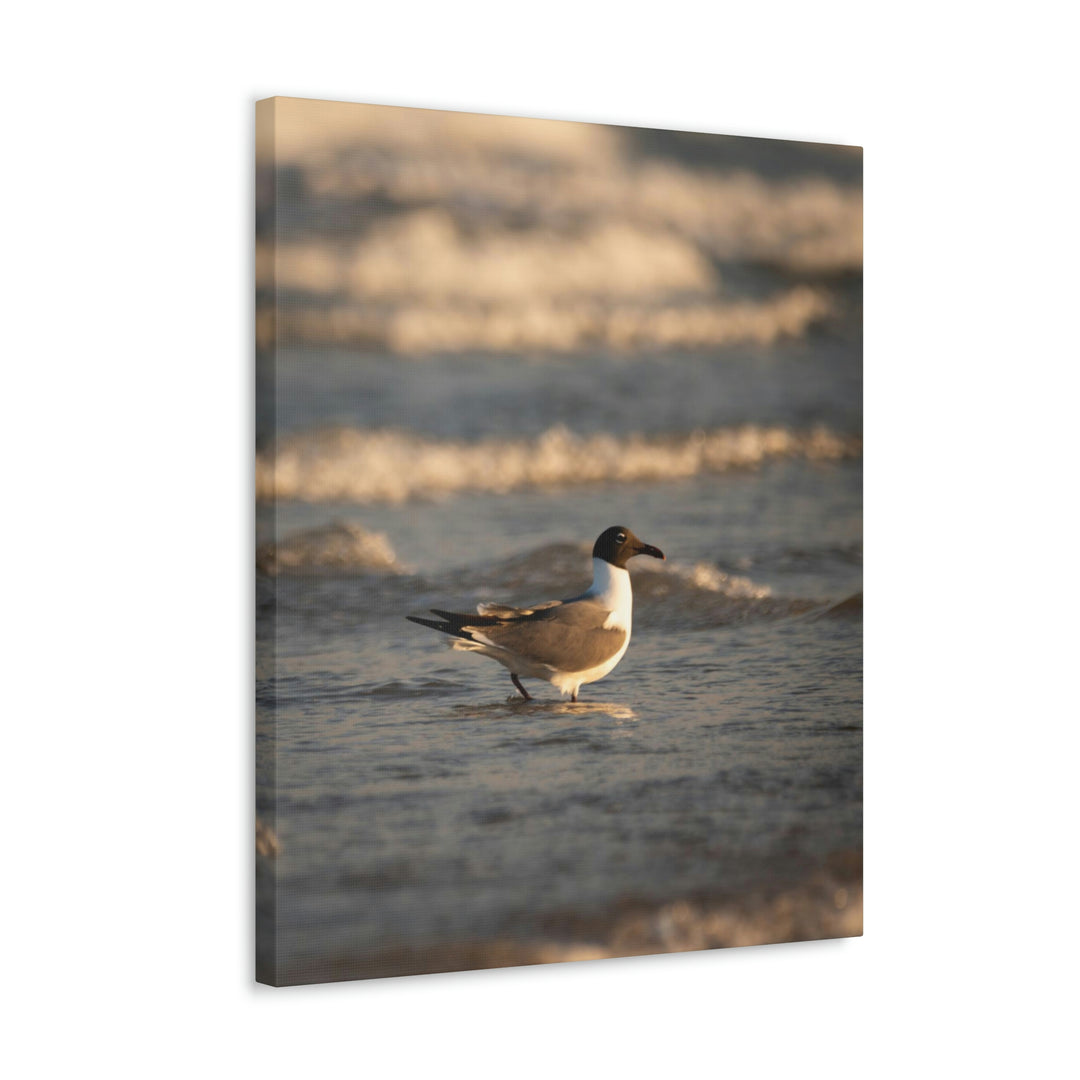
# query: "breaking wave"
660,581
386,465
828,903
418,286
336,548
555,325
427,232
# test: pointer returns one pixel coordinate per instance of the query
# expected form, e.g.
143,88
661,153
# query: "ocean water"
706,793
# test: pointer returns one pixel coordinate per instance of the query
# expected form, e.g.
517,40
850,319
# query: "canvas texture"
559,541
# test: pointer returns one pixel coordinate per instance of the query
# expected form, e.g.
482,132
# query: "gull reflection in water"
515,706
584,708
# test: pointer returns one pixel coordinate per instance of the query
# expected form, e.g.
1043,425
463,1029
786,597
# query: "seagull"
566,642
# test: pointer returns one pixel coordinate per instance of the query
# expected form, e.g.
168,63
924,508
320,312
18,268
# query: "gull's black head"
618,544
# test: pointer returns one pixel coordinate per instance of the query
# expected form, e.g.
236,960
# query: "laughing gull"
566,642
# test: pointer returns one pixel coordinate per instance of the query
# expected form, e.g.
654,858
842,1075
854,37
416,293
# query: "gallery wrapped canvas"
559,541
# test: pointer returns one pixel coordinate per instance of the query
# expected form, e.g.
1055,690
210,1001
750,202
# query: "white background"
127,449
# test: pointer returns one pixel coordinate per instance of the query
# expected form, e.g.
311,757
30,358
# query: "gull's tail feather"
455,623
444,627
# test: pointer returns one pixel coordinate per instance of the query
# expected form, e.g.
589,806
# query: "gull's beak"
648,549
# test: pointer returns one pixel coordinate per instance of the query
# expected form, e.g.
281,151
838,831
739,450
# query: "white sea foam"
425,256
418,284
700,576
432,231
363,466
803,223
545,324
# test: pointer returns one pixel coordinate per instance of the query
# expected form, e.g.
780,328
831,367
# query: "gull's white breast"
611,587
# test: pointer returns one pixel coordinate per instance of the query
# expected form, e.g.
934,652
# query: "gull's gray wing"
565,636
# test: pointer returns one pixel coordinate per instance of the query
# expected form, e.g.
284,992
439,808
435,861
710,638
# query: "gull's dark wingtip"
452,626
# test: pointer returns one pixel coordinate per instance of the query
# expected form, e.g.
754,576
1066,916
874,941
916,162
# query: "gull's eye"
621,538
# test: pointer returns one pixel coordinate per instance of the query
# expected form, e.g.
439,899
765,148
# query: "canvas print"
558,541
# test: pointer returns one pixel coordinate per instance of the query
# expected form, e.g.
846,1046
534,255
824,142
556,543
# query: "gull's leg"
517,682
573,696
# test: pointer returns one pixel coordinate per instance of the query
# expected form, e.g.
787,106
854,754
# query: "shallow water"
429,819
418,802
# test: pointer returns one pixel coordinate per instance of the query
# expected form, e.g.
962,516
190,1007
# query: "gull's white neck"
611,586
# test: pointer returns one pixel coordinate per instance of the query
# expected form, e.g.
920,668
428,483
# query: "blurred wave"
422,231
335,548
425,255
828,904
558,326
387,465
316,133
